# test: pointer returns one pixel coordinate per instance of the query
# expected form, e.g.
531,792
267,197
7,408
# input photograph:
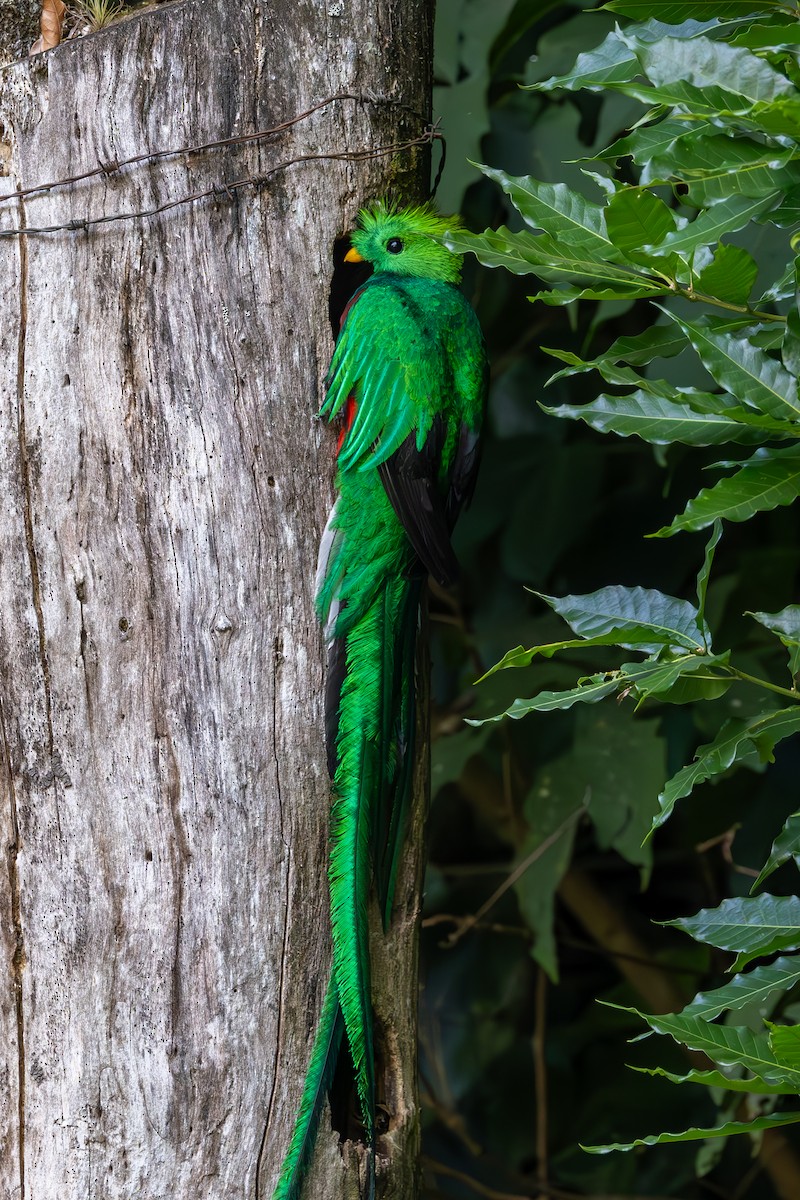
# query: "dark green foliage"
643,192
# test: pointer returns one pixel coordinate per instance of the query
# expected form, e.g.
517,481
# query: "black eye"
394,246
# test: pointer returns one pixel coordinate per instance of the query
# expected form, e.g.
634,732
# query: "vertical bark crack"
18,957
25,475
285,947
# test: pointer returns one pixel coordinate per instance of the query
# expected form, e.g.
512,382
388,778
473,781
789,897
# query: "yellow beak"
353,256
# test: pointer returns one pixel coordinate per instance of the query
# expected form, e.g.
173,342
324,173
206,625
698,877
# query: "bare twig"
469,922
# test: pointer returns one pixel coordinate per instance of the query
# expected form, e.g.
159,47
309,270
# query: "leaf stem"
764,683
690,294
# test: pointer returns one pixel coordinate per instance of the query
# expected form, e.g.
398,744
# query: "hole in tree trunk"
347,279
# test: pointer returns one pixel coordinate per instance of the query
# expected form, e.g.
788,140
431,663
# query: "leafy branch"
667,216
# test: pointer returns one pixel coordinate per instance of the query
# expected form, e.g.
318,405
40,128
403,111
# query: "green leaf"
557,210
769,479
716,167
726,1045
786,624
759,381
614,291
522,657
781,118
552,811
784,1041
746,991
525,254
715,1079
790,348
661,677
699,102
611,61
728,1129
643,618
785,846
707,64
618,762
674,11
728,216
658,420
451,753
647,142
734,740
657,341
730,276
749,926
635,218
588,691
781,33
704,572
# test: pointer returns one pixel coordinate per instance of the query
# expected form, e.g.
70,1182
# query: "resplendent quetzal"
408,381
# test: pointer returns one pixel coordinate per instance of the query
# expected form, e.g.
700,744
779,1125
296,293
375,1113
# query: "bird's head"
406,241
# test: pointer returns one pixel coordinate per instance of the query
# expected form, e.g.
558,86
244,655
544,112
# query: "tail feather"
357,787
399,660
324,1055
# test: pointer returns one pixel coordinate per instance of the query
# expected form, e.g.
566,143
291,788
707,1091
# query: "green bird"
408,382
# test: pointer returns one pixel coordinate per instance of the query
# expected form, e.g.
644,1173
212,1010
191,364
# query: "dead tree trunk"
163,906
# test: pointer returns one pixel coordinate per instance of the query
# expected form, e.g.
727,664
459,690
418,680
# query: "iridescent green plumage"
408,375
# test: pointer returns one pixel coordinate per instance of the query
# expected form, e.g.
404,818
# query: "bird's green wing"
396,390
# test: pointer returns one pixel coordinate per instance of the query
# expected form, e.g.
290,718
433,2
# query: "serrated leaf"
770,479
716,1079
635,218
728,1129
785,846
730,276
748,926
786,625
734,740
746,991
759,381
635,613
589,690
658,420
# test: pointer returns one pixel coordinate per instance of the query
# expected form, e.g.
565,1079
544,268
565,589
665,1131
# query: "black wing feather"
411,480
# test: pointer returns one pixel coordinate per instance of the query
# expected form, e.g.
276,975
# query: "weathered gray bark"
163,806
